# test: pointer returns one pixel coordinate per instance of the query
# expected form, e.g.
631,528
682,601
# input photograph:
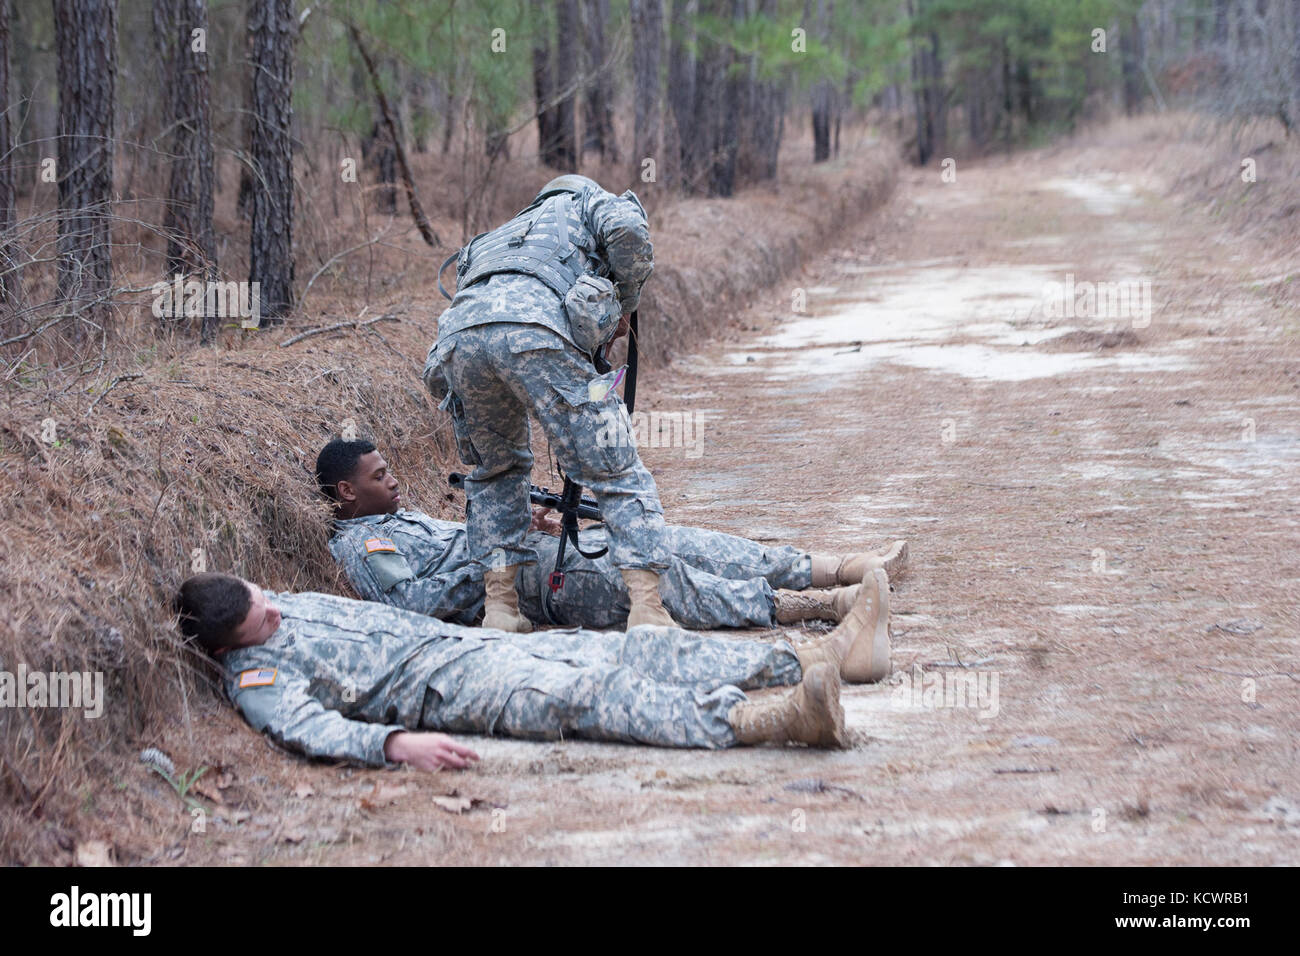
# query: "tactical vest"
549,240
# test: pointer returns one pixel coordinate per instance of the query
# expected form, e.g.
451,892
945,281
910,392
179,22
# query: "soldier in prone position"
328,676
535,300
407,559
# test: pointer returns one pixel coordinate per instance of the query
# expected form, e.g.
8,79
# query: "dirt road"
1095,652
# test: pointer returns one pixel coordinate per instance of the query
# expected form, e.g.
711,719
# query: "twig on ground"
1025,770
982,660
121,378
354,324
321,374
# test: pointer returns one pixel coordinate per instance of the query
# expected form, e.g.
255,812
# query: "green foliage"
447,43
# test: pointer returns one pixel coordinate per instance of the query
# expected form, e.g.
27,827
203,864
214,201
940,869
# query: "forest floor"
1103,517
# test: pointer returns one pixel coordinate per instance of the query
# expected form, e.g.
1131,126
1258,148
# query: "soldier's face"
260,623
372,490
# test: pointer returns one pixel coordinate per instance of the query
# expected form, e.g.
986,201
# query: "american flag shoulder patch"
263,677
379,544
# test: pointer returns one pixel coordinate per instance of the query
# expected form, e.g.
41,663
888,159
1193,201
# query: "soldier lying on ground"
333,677
409,560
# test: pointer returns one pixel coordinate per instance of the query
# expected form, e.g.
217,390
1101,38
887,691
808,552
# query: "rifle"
587,507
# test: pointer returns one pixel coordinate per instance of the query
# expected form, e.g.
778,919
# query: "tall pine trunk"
1132,53
823,93
191,243
85,36
272,27
244,198
647,42
598,117
10,281
566,61
713,128
681,90
544,83
928,87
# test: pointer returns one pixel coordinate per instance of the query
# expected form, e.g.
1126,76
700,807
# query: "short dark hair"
337,462
211,608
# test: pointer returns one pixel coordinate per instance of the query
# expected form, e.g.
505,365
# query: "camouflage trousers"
713,580
498,374
652,685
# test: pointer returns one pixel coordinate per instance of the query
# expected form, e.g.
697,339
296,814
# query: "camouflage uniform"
419,563
505,350
338,676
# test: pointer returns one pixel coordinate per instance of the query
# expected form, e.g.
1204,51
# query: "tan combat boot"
501,607
791,607
643,586
811,715
859,647
828,570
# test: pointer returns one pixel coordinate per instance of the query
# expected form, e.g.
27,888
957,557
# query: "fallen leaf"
207,792
453,804
382,796
293,836
93,853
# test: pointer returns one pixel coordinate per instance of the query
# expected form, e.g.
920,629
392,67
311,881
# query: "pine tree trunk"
647,42
681,90
780,96
10,281
272,26
823,95
750,110
597,119
544,84
244,199
821,122
85,36
379,153
712,62
566,58
191,243
733,105
1131,55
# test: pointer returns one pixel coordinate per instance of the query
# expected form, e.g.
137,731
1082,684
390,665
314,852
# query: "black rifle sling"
573,492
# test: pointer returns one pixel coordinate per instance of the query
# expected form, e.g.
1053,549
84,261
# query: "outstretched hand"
544,523
427,751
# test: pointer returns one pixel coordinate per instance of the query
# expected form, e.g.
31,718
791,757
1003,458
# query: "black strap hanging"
571,497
